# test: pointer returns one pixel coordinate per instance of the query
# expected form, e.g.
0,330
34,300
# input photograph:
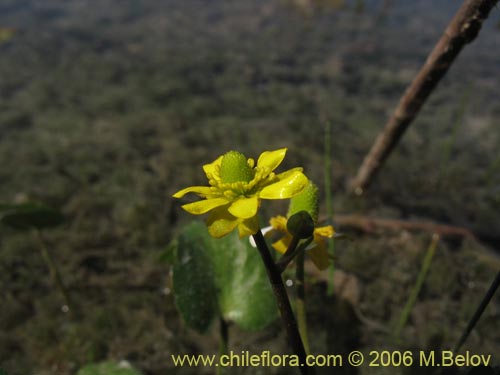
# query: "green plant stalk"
329,205
282,301
300,306
431,250
480,309
458,121
223,343
54,271
290,251
290,254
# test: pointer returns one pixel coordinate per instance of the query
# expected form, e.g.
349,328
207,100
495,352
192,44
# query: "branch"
370,224
463,29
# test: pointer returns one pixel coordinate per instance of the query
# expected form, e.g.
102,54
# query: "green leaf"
221,278
193,279
169,255
108,368
29,215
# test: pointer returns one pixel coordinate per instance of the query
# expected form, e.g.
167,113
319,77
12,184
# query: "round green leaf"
193,279
221,278
245,296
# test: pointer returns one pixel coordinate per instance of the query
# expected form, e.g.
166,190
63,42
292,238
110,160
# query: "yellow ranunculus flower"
237,186
317,251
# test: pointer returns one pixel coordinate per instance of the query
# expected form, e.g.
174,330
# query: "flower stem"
291,248
300,306
54,271
480,309
329,205
292,253
412,299
223,343
282,301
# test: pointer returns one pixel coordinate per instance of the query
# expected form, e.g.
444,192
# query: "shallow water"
108,107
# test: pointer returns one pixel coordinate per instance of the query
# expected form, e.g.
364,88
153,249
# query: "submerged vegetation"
106,111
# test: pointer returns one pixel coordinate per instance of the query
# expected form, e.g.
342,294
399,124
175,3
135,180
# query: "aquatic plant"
237,186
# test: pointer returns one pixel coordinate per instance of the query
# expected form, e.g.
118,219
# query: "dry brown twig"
463,29
371,224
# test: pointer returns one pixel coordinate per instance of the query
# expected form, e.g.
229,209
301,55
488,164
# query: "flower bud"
307,201
300,225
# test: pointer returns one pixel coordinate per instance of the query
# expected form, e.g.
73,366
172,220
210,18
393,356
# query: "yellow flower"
237,186
317,251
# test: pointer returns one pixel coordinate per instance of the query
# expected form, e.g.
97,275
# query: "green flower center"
234,168
307,201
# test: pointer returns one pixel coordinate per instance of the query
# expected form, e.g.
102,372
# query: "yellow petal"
221,222
278,223
319,253
282,244
248,227
319,256
327,232
244,208
200,190
283,175
290,183
203,206
271,159
211,170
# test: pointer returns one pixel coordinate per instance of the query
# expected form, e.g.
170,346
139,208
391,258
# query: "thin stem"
457,120
290,254
224,342
418,285
291,248
54,271
300,306
329,205
482,306
282,301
